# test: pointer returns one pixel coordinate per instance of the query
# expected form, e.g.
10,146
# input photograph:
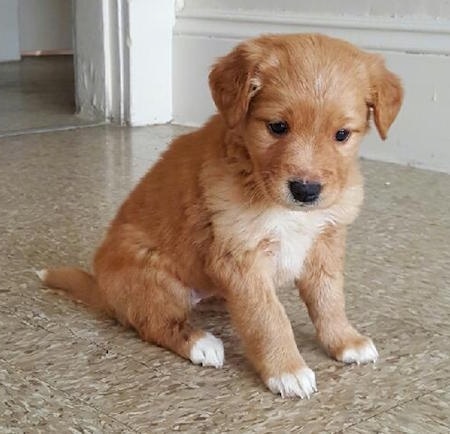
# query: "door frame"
123,60
9,31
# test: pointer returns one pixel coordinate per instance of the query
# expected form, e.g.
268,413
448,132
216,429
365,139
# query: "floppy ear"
386,95
233,82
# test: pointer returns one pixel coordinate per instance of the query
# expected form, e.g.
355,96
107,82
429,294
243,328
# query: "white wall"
45,25
399,8
416,47
9,31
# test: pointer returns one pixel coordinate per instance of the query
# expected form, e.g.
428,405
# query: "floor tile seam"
28,377
100,346
74,176
421,327
90,177
30,324
50,129
431,330
416,397
403,402
387,410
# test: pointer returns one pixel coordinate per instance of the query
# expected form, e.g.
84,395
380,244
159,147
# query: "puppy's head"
301,105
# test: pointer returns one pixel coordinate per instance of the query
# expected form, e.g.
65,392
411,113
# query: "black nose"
305,192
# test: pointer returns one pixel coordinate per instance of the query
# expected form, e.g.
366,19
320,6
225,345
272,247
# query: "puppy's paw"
359,351
207,351
301,384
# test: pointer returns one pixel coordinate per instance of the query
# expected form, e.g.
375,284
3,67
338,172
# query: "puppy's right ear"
233,81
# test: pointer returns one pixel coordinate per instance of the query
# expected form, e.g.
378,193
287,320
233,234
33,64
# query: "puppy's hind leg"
157,306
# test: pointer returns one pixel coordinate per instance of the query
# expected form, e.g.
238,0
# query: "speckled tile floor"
37,93
62,369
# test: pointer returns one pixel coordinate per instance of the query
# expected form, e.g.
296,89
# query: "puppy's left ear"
234,81
386,94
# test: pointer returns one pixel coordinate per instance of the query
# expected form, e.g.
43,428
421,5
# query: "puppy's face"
301,104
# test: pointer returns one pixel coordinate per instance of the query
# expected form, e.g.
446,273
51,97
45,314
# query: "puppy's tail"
77,284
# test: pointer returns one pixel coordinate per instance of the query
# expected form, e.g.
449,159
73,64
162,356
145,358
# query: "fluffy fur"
215,215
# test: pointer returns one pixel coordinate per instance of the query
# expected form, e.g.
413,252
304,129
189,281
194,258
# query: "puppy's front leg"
321,288
264,327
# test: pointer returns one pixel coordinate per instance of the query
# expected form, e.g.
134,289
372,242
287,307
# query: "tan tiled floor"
62,369
37,93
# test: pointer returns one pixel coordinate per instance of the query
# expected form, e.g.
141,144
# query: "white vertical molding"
9,30
89,61
122,57
150,60
123,60
108,53
115,23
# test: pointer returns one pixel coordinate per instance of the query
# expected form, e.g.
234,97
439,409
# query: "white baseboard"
431,36
417,50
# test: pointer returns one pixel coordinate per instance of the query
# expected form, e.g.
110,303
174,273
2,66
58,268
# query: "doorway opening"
37,86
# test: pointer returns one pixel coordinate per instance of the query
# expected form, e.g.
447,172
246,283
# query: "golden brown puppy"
257,198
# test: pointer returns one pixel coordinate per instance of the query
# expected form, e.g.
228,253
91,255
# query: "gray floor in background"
38,93
62,369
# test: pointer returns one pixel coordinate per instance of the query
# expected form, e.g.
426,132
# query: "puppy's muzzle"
304,191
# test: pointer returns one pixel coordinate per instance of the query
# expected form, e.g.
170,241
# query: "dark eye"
278,128
342,135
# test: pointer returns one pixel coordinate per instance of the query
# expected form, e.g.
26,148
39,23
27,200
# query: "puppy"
257,198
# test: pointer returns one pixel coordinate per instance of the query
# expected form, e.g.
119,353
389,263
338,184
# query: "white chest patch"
291,234
295,237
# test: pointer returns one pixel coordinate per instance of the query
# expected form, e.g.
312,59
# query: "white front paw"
301,384
208,351
361,354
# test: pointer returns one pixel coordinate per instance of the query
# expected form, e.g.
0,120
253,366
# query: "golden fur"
214,216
